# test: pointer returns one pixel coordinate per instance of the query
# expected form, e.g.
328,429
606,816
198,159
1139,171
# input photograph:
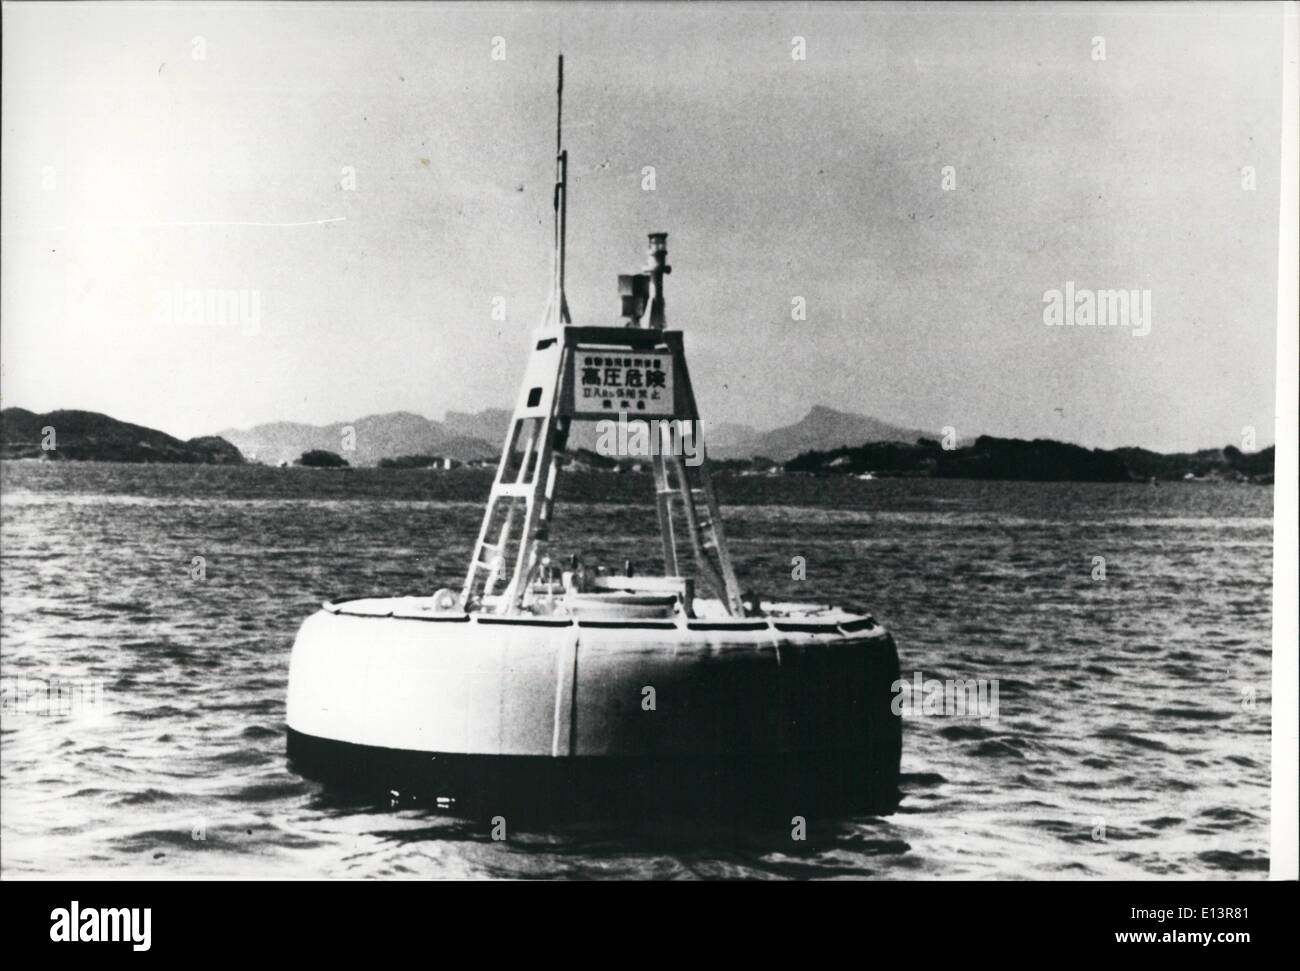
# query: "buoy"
536,687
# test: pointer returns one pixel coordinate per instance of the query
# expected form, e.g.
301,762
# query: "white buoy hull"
385,688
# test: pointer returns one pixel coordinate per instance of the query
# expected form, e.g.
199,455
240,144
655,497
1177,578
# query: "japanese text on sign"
639,384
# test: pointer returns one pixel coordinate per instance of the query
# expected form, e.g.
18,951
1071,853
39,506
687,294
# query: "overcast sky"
374,179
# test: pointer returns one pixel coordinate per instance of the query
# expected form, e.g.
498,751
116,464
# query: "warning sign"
638,383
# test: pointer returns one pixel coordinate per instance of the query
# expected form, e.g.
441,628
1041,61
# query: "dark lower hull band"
861,780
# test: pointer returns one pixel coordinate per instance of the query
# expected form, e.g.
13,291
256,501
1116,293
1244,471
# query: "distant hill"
467,436
821,429
824,441
1041,460
88,436
470,449
489,425
376,437
729,435
1208,463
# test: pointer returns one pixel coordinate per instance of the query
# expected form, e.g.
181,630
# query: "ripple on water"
1245,860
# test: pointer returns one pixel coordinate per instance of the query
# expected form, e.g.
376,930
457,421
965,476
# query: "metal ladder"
524,483
698,504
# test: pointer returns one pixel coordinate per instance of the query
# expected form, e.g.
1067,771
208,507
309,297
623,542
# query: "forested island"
87,436
1041,460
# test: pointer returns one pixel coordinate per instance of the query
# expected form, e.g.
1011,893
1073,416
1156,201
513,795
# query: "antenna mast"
559,302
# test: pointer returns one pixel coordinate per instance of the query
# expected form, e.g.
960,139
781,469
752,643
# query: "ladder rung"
519,490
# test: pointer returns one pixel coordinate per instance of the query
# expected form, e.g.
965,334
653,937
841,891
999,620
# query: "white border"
1283,860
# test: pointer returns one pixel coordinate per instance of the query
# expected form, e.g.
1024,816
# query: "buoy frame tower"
634,372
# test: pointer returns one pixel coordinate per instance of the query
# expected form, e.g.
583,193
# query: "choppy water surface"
1135,707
